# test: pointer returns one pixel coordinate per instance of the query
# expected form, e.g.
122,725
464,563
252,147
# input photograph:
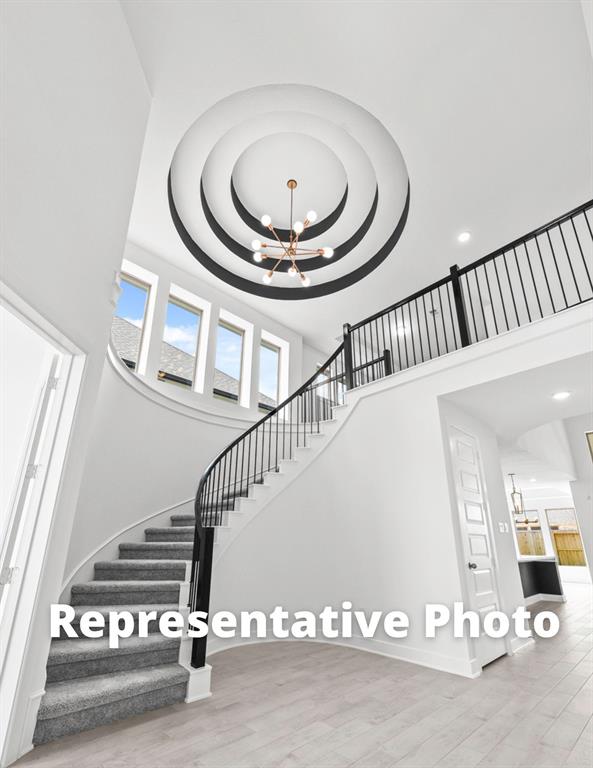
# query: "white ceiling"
261,173
489,102
515,405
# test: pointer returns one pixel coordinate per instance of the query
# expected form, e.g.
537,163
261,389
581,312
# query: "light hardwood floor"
301,704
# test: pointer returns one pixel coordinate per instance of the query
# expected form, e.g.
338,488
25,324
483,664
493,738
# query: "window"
566,536
269,375
128,321
180,343
529,534
228,362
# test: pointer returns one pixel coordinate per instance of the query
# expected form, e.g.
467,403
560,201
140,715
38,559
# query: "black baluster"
557,270
578,239
459,306
348,363
576,285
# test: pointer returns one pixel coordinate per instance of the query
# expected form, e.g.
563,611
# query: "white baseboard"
542,597
520,642
464,667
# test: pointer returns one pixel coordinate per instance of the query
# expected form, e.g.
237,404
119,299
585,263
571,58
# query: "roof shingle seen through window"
126,340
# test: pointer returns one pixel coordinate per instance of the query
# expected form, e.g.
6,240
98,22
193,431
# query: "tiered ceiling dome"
233,164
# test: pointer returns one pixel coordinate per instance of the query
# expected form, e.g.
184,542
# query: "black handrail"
539,274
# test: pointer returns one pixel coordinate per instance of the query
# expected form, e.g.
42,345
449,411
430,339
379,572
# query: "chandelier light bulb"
311,216
305,280
292,271
257,257
256,245
266,220
327,253
298,227
267,278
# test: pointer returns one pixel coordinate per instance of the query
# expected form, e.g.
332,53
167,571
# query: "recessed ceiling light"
561,395
464,237
532,480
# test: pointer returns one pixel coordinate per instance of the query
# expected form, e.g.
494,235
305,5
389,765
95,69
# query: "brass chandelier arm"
284,248
298,250
277,264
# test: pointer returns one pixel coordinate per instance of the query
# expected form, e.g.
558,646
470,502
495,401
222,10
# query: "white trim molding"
542,597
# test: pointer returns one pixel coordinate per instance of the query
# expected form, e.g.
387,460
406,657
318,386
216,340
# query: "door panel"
479,565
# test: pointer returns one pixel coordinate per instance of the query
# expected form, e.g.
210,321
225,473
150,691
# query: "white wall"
313,357
587,6
582,487
371,519
368,521
548,444
75,105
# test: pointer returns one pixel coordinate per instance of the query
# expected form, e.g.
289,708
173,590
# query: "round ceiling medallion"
228,181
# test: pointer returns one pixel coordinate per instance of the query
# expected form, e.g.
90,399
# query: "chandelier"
279,250
516,498
517,502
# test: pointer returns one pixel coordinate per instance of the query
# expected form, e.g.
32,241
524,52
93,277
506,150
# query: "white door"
479,563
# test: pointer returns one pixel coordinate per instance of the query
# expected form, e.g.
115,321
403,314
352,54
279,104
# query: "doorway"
40,378
476,539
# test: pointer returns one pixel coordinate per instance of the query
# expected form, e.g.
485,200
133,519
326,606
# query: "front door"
479,563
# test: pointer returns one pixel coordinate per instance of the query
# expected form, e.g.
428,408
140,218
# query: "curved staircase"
88,683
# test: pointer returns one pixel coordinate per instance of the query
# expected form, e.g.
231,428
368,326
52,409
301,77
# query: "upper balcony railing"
539,274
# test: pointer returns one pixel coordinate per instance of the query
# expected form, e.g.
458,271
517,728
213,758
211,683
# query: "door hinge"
31,471
6,575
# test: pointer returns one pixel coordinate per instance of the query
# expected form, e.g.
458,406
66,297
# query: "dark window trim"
165,376
225,395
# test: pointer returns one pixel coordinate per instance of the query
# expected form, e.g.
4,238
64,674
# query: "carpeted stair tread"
141,569
73,649
72,696
139,564
183,520
124,586
133,608
157,550
171,528
105,592
170,533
